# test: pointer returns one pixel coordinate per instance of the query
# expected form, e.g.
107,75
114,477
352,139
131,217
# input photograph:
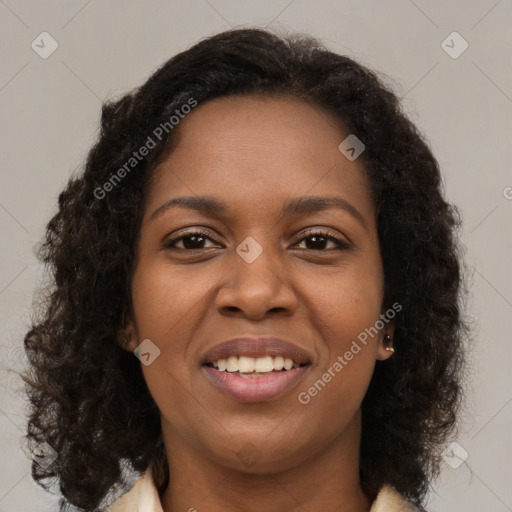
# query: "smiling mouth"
251,375
262,384
250,367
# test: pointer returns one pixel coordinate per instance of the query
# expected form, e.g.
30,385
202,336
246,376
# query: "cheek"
166,306
346,304
345,311
166,302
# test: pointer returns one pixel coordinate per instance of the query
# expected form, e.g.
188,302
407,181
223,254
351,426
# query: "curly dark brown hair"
89,400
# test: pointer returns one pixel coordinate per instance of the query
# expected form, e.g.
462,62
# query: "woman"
257,294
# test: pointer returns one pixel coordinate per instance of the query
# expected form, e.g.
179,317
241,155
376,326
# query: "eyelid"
191,231
341,242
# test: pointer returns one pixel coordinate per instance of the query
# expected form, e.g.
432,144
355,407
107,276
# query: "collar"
143,497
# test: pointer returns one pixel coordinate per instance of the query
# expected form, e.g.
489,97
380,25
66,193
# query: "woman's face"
255,271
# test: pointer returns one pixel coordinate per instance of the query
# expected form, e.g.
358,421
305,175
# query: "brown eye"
315,241
319,239
190,241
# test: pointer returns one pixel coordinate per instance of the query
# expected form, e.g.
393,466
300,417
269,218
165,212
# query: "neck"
329,481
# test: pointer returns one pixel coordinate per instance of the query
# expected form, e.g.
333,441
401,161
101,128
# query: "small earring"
387,339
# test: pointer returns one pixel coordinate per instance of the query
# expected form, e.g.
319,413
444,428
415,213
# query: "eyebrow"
297,206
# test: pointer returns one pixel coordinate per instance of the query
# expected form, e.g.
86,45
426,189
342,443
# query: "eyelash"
341,245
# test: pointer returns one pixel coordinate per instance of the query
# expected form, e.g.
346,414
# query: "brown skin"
254,154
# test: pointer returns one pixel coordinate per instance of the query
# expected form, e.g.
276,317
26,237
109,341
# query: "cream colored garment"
143,497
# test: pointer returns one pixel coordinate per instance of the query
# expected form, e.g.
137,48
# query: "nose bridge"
258,262
257,282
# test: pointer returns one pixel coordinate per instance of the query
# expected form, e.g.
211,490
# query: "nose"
253,290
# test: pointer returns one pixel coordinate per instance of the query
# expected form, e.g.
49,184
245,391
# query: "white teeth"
288,364
278,363
248,365
232,365
264,364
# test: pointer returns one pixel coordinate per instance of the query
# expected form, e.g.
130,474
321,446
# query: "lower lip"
255,389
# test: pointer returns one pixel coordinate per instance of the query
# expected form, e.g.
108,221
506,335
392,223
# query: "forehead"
249,149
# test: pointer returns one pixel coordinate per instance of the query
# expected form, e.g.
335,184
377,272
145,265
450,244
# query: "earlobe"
386,349
126,337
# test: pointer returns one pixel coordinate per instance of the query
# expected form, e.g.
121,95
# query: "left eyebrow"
297,206
313,204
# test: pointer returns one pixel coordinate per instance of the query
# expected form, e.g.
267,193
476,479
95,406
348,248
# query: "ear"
385,342
127,335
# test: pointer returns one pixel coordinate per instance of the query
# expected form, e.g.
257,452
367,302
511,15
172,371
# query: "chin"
258,455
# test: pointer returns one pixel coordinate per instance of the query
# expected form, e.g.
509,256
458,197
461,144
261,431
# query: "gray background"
50,112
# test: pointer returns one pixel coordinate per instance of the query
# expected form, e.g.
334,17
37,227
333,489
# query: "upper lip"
257,347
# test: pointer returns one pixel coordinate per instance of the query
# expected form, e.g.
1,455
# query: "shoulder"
142,497
390,500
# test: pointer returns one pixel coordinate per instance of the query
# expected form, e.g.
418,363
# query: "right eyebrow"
205,205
